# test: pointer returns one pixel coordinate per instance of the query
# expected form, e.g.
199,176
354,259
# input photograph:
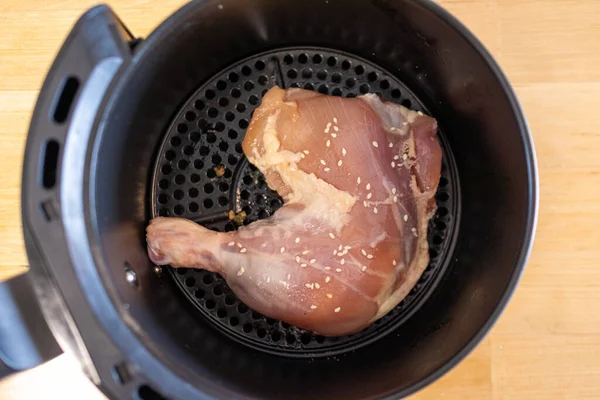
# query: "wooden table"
547,343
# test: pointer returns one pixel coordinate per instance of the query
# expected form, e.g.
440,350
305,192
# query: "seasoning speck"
326,169
369,195
313,260
331,235
241,271
327,279
338,270
297,259
394,263
392,144
317,286
243,250
313,307
339,163
323,162
282,250
337,309
328,143
364,268
344,152
327,268
370,256
305,252
303,265
231,244
342,261
329,296
375,144
297,240
335,120
375,210
363,252
333,135
368,187
393,164
405,217
358,180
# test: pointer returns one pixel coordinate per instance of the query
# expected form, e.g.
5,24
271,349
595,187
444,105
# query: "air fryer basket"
207,134
153,122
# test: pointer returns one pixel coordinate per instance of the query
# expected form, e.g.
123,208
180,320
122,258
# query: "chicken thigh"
358,178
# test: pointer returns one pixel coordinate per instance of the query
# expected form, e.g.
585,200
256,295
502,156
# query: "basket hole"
208,204
253,100
332,61
182,271
241,107
233,77
336,92
309,86
359,70
320,339
437,240
365,88
290,339
248,180
199,105
195,178
322,75
247,328
163,198
190,282
211,138
232,134
249,85
443,196
336,78
204,150
288,59
234,321
441,225
307,73
246,70
259,199
188,150
276,336
323,89
232,160
385,84
243,124
245,195
223,102
229,227
178,194
213,112
194,207
260,65
396,93
163,184
261,333
145,392
210,304
216,159
175,141
292,74
210,94
303,58
208,279
223,201
218,290
317,59
372,76
433,253
195,137
190,116
221,313
182,128
407,103
193,192
242,308
263,80
223,146
180,179
229,299
166,169
263,214
346,64
443,182
170,155
178,210
209,188
221,85
223,187
305,338
235,93
351,82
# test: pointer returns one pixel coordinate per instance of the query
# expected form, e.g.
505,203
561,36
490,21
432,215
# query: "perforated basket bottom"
190,182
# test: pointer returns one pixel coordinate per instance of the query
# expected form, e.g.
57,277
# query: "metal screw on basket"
131,277
158,270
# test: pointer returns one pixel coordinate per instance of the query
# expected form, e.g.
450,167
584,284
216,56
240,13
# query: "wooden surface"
547,343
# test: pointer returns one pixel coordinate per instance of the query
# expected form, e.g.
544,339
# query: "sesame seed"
317,286
368,187
333,135
313,307
365,203
231,244
395,199
347,247
243,250
289,276
419,113
313,260
340,247
307,285
393,164
323,162
337,309
327,127
327,279
394,262
338,270
331,235
358,180
282,250
327,268
335,128
328,143
393,190
375,144
339,163
329,296
405,217
344,152
297,259
342,261
239,245
364,268
297,240
405,123
326,169
306,152
392,144
363,252
241,271
396,157
268,279
369,195
370,256
335,120
303,265
375,210
305,252
404,156
334,252
302,155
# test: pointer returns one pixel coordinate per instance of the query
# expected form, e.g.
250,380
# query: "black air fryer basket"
128,129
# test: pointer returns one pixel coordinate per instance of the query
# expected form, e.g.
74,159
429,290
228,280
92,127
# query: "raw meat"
358,177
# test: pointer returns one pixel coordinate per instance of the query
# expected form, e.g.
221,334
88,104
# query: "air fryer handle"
25,339
78,82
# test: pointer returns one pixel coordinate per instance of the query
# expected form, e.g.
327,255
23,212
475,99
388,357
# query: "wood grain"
547,343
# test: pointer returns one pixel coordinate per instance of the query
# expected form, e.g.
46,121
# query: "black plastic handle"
78,83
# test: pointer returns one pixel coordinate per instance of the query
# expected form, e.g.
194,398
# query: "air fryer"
126,129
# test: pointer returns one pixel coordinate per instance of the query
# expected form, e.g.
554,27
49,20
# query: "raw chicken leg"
358,177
